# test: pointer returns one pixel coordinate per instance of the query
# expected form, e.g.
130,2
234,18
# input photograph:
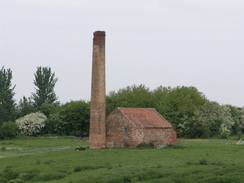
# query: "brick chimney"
97,137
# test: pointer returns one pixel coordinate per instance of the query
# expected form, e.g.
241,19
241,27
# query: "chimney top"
99,38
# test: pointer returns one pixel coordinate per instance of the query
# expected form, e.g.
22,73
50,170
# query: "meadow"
55,160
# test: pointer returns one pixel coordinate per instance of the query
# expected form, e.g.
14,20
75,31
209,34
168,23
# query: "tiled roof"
145,117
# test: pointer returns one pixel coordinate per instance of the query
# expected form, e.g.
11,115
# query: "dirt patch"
81,139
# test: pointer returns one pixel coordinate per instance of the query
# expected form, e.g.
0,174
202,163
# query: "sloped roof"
145,117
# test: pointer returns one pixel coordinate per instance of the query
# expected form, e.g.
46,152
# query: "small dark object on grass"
80,149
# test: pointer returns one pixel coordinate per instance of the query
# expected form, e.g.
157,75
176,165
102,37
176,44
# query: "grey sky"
157,42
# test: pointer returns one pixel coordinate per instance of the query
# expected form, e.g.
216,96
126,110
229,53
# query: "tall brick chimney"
97,137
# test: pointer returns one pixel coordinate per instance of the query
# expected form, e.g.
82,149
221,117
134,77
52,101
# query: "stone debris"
161,146
157,145
240,141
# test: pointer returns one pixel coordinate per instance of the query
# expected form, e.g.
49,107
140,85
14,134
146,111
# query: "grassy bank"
43,159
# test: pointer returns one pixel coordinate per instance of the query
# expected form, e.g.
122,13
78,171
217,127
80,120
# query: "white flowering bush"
225,132
31,124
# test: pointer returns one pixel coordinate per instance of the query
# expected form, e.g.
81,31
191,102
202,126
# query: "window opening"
125,131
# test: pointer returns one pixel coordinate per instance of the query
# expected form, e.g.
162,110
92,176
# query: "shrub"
9,174
224,135
225,132
2,180
48,109
16,181
3,148
86,167
52,176
76,118
31,124
55,124
203,162
72,119
9,130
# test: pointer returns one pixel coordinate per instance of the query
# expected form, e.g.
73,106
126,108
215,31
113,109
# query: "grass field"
55,160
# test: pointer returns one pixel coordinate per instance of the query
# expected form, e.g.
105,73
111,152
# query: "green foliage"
83,168
203,162
3,180
71,119
77,116
25,106
29,174
9,130
177,103
7,103
224,135
204,123
51,176
9,174
49,109
45,82
187,109
131,96
31,124
55,124
3,148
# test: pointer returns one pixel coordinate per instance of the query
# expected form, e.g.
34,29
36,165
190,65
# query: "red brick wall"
163,136
116,123
174,137
97,136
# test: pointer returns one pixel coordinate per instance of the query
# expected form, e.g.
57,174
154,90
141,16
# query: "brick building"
129,127
124,127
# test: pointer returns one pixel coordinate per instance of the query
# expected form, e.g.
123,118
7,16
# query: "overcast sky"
157,42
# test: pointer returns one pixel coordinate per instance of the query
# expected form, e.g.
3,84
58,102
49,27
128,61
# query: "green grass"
55,160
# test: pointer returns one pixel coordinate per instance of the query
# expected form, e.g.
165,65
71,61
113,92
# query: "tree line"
188,110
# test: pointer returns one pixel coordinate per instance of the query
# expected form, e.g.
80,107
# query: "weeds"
9,174
3,148
3,180
83,168
51,176
203,162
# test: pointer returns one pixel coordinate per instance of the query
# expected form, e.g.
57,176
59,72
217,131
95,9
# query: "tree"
71,119
205,122
77,118
131,96
7,103
177,104
45,82
25,106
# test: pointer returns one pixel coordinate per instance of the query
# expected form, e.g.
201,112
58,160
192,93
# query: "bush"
86,167
76,118
31,124
72,119
9,130
9,174
203,162
224,135
52,176
3,148
2,180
